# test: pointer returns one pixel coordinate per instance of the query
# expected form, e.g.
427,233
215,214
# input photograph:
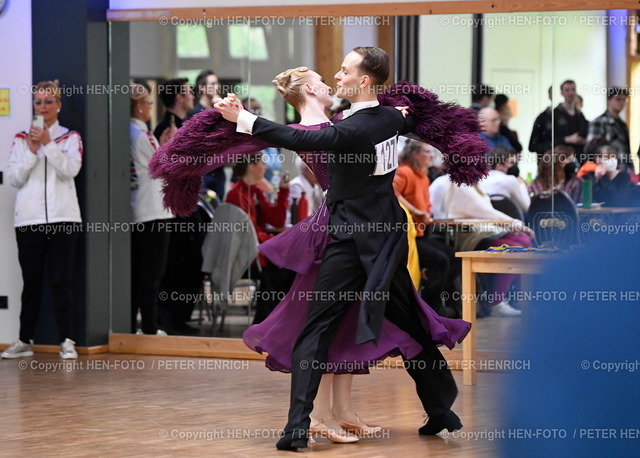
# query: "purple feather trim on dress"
445,125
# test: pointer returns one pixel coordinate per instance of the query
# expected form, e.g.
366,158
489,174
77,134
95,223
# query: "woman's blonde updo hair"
137,94
50,88
289,84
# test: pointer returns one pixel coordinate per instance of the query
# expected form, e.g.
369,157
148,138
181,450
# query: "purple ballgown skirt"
301,249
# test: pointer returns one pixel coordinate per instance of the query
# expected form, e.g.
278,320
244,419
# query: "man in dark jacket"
610,127
369,264
570,125
540,140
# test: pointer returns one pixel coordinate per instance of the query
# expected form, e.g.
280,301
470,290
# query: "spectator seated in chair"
451,201
504,179
490,125
610,184
247,194
564,178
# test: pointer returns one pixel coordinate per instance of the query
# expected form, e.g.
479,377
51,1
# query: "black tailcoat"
363,206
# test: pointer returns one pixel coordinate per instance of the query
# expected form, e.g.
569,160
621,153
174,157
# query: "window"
247,42
192,41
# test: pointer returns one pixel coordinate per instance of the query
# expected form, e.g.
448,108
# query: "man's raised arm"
328,139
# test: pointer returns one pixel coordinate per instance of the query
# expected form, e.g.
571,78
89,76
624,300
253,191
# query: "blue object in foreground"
576,394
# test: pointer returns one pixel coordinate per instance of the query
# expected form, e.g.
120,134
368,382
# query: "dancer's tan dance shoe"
360,429
334,435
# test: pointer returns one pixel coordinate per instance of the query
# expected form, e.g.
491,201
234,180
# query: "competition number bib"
386,156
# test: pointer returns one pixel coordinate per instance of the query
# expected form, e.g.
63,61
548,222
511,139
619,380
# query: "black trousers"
53,245
149,247
342,271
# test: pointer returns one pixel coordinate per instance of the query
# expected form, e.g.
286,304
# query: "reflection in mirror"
522,58
525,58
241,58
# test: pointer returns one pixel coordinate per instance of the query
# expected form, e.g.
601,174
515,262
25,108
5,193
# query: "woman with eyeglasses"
42,165
150,240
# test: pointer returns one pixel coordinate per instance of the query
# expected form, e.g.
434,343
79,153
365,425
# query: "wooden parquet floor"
133,405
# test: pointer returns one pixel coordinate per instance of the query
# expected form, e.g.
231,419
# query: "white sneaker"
504,309
18,349
68,349
160,332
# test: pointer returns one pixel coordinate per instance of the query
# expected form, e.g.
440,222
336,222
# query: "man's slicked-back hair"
375,63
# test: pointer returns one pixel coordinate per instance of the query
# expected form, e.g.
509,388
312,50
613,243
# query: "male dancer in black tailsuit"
367,256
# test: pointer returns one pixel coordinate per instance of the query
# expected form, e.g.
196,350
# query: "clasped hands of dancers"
336,330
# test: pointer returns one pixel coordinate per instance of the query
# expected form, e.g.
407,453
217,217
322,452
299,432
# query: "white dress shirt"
357,106
498,182
449,200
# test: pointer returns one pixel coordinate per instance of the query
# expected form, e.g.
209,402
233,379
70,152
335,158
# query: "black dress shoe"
291,444
448,421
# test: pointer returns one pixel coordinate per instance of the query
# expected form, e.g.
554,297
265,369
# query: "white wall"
153,50
445,56
581,55
15,74
523,54
359,31
153,54
527,52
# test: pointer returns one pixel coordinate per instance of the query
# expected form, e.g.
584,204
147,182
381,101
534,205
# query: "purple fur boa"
207,141
445,125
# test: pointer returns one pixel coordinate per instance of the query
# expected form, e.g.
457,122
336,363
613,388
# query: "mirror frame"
365,9
234,347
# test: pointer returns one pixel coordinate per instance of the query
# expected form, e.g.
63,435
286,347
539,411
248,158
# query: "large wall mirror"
525,56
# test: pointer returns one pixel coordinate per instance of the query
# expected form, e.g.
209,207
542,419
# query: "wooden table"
495,262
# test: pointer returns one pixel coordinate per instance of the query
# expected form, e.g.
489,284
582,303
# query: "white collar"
357,106
54,130
141,124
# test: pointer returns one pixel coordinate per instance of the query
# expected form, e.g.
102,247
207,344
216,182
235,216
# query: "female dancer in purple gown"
301,247
307,93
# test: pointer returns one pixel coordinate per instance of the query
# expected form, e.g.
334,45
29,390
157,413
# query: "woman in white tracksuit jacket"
42,166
